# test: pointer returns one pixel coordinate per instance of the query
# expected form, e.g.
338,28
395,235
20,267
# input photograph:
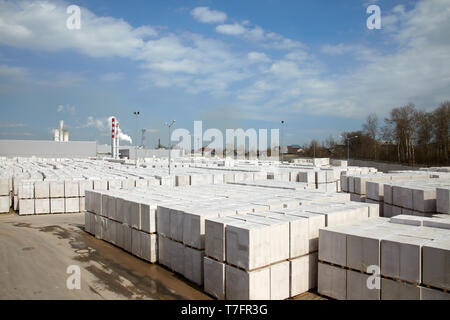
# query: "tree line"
408,135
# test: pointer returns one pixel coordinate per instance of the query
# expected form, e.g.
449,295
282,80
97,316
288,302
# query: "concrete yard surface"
37,250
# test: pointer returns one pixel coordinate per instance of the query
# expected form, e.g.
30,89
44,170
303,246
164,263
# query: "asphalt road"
35,252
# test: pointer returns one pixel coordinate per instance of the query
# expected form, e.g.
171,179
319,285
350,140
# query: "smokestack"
61,133
66,136
56,135
113,138
117,141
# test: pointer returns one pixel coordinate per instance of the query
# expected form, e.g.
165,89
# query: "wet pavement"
35,252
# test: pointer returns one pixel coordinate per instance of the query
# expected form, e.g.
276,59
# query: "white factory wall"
48,149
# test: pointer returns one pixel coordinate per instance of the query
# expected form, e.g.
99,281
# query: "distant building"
294,149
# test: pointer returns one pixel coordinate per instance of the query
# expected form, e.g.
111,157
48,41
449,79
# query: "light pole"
281,147
136,113
348,146
169,125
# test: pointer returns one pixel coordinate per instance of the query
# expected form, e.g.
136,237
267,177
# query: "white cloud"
205,15
67,108
112,76
42,25
231,29
13,72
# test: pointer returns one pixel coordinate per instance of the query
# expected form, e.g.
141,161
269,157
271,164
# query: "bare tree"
370,129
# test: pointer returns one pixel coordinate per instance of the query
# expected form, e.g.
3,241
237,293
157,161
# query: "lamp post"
136,113
281,147
348,146
169,125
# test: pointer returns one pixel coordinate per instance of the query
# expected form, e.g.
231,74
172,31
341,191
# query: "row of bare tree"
408,135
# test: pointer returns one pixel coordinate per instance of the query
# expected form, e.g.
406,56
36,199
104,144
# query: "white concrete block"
214,278
136,242
109,206
26,206
71,189
134,212
401,257
148,217
387,194
4,187
193,265
100,184
424,200
87,223
149,247
247,244
436,264
357,288
26,190
194,227
127,237
56,189
42,206
395,290
4,204
333,245
432,294
303,274
244,285
332,281
72,205
164,251
215,236
176,217
177,257
85,185
443,200
42,190
279,281
163,220
57,205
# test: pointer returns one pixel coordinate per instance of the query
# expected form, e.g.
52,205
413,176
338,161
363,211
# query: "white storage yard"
256,229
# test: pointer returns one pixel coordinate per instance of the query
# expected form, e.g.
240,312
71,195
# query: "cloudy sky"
232,64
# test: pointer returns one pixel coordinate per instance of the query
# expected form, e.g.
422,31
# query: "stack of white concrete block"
399,258
423,197
270,254
127,221
5,193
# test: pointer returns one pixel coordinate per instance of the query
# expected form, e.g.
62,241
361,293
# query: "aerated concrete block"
245,285
424,200
4,187
4,204
387,194
433,294
193,265
177,257
163,220
149,247
127,237
436,264
71,189
136,242
134,212
182,180
279,281
72,205
56,189
109,206
57,205
194,227
303,274
215,236
164,251
42,190
247,245
315,222
214,278
26,206
443,200
93,202
395,290
26,190
401,257
333,245
148,217
357,288
100,184
88,227
332,281
85,185
176,224
42,206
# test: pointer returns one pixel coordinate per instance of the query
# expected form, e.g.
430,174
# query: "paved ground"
35,252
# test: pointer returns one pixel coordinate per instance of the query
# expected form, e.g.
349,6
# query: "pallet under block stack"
412,254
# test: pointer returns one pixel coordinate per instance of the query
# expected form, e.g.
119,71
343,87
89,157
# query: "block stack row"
399,258
270,254
5,193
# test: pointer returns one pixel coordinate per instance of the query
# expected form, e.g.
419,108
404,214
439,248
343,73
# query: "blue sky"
232,64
